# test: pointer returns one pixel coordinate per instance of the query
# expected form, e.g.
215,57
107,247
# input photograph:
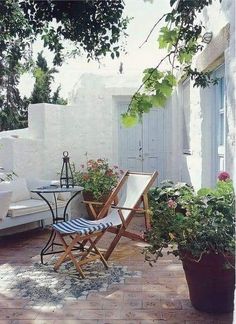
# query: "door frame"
218,72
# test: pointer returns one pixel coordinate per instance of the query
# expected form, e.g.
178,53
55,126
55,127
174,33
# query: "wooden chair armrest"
137,210
92,202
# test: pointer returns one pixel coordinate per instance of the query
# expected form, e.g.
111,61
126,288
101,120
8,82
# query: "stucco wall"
198,167
87,125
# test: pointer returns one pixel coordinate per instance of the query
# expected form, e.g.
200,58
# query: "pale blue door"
141,147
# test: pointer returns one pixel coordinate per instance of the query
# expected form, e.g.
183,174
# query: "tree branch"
145,41
143,83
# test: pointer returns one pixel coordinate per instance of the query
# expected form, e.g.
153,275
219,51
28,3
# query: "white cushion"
5,199
2,176
38,183
25,207
18,187
29,206
7,176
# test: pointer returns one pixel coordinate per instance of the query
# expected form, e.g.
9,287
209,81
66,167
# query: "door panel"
129,144
153,140
141,147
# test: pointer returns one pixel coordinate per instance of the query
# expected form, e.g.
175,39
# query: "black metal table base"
53,207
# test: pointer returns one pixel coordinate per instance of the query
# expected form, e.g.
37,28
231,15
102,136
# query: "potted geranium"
98,179
199,228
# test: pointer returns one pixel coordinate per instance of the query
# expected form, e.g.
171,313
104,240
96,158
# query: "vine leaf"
159,100
168,37
129,120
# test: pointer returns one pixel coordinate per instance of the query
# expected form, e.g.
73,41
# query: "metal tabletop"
56,189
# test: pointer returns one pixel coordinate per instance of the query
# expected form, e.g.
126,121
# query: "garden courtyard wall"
89,122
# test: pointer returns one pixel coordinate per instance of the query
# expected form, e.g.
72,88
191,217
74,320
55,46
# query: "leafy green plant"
193,222
97,177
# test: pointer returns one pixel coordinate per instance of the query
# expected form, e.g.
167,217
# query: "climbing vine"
181,37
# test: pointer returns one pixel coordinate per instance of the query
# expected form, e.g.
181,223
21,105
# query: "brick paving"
160,295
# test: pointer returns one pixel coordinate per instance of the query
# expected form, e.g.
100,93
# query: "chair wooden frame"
121,230
84,254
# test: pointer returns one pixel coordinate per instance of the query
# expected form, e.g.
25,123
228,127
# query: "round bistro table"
54,189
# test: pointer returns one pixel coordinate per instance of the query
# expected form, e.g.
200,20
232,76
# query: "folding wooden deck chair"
131,191
131,194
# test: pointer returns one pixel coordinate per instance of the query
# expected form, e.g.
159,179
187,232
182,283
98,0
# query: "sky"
145,14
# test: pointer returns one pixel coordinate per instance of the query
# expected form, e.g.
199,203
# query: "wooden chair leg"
146,213
68,252
113,243
93,246
99,253
68,249
99,236
76,263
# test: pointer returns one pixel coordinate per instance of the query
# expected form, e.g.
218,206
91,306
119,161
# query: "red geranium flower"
171,204
223,176
85,176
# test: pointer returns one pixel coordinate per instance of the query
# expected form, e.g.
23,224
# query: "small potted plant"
98,179
199,228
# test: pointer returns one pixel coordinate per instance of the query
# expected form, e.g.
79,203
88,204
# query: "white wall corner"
36,120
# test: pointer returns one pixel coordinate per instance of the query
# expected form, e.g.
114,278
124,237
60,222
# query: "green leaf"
162,39
185,57
159,100
165,88
171,79
146,105
168,37
128,120
204,192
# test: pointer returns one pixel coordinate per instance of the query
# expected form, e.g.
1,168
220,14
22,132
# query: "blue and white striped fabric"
81,226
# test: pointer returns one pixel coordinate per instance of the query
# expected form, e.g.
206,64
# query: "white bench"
19,206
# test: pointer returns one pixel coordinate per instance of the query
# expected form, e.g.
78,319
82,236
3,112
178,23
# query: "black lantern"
207,37
66,179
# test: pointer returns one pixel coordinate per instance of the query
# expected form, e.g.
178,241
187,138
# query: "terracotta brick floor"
160,295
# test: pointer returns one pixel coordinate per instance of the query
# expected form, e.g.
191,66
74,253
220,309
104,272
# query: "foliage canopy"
181,37
90,26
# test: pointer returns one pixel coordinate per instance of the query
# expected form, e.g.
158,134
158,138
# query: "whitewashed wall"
197,167
87,125
89,122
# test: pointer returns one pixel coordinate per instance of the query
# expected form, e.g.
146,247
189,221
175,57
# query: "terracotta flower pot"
89,197
211,282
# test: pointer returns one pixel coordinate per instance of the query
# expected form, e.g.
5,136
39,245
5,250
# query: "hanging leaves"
168,37
158,88
181,38
129,120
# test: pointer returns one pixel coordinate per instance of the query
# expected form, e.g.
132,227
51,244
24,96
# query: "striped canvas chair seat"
81,226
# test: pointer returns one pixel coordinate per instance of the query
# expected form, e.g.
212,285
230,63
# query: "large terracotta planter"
89,197
211,282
